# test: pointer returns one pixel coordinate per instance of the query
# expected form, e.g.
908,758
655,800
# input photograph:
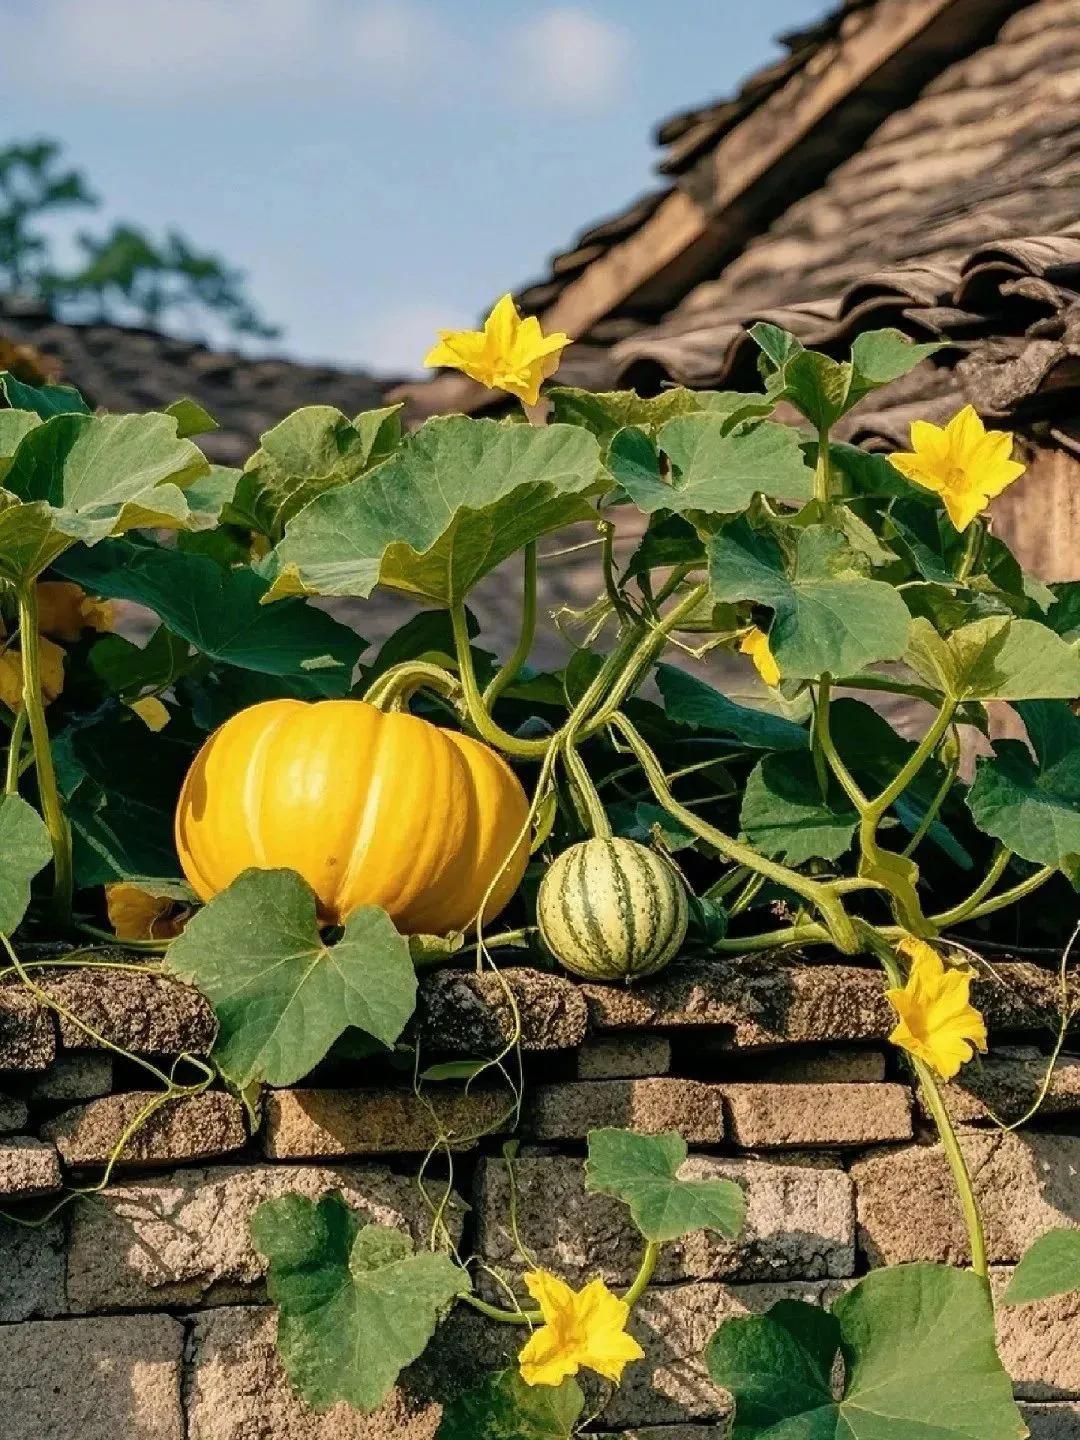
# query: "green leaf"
207,498
919,1354
995,659
880,356
862,473
281,995
503,1407
129,670
1063,617
824,390
221,612
669,540
1051,1266
690,701
604,413
785,815
311,451
29,539
24,850
713,471
14,424
44,400
191,418
829,616
451,504
1033,805
355,1305
639,820
642,1172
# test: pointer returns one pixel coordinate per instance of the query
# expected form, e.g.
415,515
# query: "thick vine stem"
394,688
972,548
825,901
48,793
481,721
508,673
969,911
599,823
823,470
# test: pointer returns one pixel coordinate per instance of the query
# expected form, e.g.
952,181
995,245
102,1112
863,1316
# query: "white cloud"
564,56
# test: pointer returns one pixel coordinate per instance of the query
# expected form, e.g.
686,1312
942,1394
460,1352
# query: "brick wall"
142,1312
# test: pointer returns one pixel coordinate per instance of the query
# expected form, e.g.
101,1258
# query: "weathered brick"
146,1014
1040,1343
27,1032
1006,1085
76,1077
800,1223
237,1390
31,1271
1052,1422
1026,1184
789,1116
194,1127
465,1013
182,1238
95,1379
569,1112
665,1432
819,1065
13,1115
623,1057
317,1124
28,1167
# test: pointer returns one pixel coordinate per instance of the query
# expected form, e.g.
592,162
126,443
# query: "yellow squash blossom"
963,462
509,353
136,915
582,1329
52,674
152,712
755,643
65,610
938,1023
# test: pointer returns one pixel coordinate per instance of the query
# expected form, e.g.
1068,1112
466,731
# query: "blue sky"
379,167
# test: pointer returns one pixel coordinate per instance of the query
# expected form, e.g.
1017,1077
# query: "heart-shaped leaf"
1050,1267
503,1407
451,504
24,850
690,701
355,1304
785,815
919,1355
996,659
281,995
643,1172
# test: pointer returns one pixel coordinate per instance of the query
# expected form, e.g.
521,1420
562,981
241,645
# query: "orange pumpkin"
370,808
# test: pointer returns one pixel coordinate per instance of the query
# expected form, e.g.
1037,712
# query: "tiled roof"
124,369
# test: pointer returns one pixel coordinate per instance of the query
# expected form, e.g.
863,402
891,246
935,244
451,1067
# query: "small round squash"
370,808
612,910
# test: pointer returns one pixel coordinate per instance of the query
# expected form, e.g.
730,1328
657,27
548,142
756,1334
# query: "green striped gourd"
610,909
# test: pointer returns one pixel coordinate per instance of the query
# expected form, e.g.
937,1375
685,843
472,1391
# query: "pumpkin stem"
586,790
394,689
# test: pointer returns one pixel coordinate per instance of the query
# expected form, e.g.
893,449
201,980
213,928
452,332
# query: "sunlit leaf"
996,659
24,851
1050,1267
643,1172
191,418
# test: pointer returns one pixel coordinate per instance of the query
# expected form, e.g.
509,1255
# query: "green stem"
14,756
792,935
915,761
828,905
509,672
618,604
823,471
640,1284
481,721
48,792
394,688
594,809
890,686
823,733
996,869
646,1270
1007,897
972,548
933,809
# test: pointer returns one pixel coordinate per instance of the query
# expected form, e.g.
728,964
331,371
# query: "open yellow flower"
65,610
755,643
11,678
582,1329
963,462
938,1023
136,915
509,353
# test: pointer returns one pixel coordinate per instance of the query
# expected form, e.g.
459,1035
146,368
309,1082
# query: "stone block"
318,1124
194,1127
27,1032
146,1014
1026,1184
93,1379
1040,1343
28,1167
623,1057
1006,1085
800,1223
819,1065
183,1239
76,1077
569,1112
236,1389
764,1117
31,1271
463,1013
1052,1422
13,1115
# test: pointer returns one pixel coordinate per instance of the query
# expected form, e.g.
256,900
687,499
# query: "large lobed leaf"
920,1363
690,701
503,1407
451,504
643,1172
355,1304
281,995
24,850
997,658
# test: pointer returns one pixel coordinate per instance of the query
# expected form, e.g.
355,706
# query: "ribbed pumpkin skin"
612,910
370,809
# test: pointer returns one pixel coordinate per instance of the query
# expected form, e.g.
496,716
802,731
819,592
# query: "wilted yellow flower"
509,353
755,643
151,712
963,462
65,610
582,1328
136,915
52,674
938,1023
